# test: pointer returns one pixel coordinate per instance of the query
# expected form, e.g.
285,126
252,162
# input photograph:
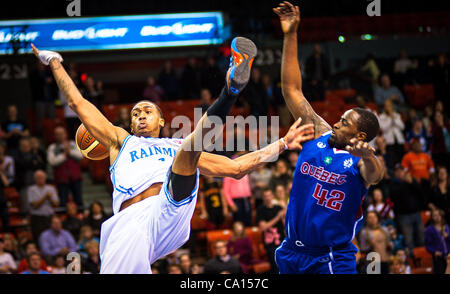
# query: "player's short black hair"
367,123
156,105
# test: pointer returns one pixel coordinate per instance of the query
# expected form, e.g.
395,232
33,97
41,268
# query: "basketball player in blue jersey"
156,179
331,178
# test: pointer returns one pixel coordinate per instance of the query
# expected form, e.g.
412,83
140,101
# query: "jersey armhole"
120,152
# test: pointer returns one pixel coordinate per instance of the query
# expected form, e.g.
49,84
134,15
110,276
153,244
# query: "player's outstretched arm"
222,166
291,78
95,122
371,168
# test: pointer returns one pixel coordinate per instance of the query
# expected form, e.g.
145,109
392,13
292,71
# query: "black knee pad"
181,187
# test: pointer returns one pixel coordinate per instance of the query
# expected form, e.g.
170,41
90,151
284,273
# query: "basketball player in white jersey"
156,179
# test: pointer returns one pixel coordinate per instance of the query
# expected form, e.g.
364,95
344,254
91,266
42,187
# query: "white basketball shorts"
134,238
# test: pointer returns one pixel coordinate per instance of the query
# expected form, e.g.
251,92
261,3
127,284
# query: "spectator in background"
370,69
240,247
213,205
7,164
418,163
403,67
317,72
427,117
440,79
96,217
282,174
124,119
190,79
281,195
419,132
44,91
11,247
222,262
437,241
268,86
398,240
26,164
375,238
91,264
64,157
392,126
56,240
71,118
34,261
440,149
237,194
30,248
255,95
93,91
153,91
280,104
292,159
86,236
186,264
59,265
39,155
4,213
73,222
383,207
259,180
42,199
205,100
174,269
212,77
168,80
270,218
405,192
440,196
7,263
14,129
387,91
411,117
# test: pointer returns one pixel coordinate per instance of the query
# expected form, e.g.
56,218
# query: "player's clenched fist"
289,16
360,148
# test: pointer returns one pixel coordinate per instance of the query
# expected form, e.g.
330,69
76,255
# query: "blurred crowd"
408,209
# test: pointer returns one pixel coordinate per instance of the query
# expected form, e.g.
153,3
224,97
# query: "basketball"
89,146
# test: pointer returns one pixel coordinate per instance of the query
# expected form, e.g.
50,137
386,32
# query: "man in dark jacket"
222,262
317,72
405,192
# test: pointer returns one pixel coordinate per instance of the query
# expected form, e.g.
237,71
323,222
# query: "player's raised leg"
184,167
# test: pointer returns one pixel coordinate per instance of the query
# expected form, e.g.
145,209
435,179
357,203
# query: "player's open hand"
360,148
289,16
298,134
46,56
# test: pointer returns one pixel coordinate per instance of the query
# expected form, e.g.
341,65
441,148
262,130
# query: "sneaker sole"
247,49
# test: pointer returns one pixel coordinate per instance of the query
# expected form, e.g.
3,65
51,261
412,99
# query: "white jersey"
141,162
134,238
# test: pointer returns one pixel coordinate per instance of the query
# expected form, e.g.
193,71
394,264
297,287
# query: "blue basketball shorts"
294,259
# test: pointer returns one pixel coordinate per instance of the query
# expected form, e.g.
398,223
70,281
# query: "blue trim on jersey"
120,151
326,195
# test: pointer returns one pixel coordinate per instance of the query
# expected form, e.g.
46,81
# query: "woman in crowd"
437,241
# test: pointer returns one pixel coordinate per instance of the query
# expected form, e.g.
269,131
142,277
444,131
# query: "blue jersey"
325,204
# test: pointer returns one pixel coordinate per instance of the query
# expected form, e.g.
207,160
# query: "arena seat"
425,215
259,253
422,258
419,96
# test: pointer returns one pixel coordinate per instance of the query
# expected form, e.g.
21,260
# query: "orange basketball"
89,146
